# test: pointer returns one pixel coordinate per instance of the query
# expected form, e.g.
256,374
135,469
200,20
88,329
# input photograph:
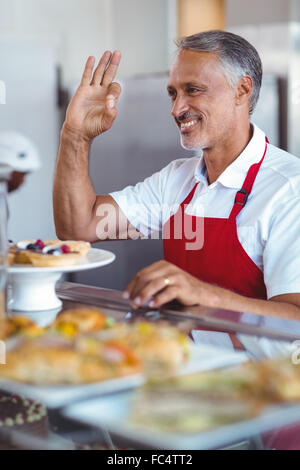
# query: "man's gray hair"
237,56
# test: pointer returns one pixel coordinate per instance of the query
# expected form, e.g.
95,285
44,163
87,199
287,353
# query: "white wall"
241,12
295,10
141,32
279,49
76,28
35,35
79,28
29,73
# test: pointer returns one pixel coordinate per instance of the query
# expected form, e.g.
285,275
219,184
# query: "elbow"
63,235
63,231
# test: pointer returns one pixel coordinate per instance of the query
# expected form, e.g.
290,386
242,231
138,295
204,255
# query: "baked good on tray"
156,344
53,359
18,325
84,345
206,400
80,320
160,346
49,253
189,412
21,415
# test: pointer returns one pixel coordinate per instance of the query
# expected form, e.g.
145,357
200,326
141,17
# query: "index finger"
112,69
143,277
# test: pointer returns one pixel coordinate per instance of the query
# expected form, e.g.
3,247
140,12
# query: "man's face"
203,101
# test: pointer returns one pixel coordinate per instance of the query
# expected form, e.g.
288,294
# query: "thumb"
110,111
115,90
112,96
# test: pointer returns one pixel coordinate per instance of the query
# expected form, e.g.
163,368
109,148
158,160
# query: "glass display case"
221,339
5,172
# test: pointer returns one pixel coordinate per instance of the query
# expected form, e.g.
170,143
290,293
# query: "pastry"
206,400
84,345
75,246
161,347
50,253
81,320
189,413
53,359
18,325
21,415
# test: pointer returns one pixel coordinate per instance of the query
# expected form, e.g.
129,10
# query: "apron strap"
243,194
189,196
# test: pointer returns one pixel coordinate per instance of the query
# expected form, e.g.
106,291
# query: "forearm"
228,300
73,193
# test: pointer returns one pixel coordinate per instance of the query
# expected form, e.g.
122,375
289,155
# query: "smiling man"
249,190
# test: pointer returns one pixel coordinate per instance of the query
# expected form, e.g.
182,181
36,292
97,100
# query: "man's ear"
244,90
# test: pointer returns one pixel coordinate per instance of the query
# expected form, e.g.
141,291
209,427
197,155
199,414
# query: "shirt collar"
235,173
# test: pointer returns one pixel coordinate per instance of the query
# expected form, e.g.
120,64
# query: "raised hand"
92,110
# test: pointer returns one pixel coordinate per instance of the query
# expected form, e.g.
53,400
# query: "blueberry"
55,252
33,247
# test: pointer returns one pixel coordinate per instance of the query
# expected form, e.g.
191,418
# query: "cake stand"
33,289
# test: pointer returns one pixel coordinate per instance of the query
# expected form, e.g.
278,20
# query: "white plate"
33,289
201,358
95,258
113,414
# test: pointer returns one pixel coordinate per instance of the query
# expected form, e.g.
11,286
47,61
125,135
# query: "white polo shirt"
268,226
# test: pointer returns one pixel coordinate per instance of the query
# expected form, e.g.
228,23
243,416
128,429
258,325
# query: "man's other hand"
163,282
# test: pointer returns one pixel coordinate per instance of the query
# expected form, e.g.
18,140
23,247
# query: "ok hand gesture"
92,110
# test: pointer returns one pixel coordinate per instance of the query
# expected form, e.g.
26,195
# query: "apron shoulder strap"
189,196
243,194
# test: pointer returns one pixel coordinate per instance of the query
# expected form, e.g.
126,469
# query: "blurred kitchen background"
43,47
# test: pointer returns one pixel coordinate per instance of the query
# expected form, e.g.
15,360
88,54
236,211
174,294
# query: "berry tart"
50,253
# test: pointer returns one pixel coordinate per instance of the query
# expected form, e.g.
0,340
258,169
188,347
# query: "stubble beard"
192,145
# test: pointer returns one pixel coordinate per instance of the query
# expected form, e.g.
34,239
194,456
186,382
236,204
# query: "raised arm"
78,212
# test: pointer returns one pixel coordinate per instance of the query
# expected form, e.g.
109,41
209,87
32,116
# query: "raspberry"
65,249
40,243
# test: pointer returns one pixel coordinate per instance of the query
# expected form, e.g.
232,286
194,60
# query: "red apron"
222,260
